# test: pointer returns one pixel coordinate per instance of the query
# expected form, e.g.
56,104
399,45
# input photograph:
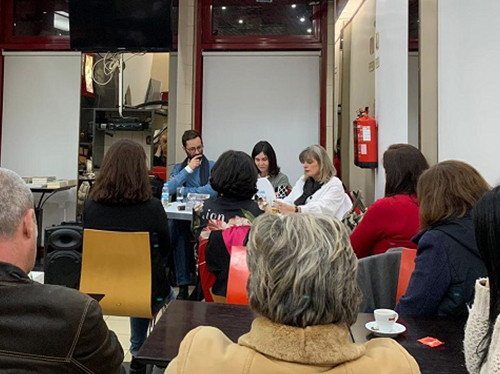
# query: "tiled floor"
121,327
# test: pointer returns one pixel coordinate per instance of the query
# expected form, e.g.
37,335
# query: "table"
163,343
39,211
174,213
445,359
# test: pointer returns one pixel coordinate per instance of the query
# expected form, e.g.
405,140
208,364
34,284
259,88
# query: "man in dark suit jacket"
44,328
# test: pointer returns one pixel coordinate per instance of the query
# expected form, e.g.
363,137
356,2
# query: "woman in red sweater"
392,221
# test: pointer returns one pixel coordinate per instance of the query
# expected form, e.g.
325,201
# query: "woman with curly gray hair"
303,285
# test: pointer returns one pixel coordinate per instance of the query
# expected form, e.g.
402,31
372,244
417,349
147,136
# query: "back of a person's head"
15,200
123,177
403,164
234,175
319,154
268,150
448,190
303,271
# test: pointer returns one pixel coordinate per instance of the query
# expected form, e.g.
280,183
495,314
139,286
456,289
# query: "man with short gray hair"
43,328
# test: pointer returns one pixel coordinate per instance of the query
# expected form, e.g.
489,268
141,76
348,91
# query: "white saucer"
398,329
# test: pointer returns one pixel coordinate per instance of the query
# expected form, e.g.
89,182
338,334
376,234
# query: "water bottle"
165,195
262,200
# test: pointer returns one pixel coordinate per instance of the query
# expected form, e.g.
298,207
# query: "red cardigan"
390,222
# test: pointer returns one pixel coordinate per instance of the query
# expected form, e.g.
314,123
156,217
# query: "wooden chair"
118,265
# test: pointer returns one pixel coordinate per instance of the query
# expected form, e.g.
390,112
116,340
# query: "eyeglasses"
192,149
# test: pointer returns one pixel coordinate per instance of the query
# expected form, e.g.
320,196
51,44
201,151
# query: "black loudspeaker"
63,255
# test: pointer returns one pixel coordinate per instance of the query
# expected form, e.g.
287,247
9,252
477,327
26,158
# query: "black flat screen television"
121,25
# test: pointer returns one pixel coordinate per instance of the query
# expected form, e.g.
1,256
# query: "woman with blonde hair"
303,286
318,190
448,261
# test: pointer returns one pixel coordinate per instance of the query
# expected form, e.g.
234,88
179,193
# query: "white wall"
252,96
391,79
136,75
469,78
362,90
40,128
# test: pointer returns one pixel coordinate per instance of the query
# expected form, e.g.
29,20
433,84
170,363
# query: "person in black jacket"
448,261
44,328
121,200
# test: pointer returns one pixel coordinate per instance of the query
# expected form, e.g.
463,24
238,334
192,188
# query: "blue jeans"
180,236
139,327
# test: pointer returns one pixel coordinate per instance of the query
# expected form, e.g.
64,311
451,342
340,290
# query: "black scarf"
310,187
204,169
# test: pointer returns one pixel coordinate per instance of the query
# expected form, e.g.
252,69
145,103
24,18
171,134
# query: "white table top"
173,213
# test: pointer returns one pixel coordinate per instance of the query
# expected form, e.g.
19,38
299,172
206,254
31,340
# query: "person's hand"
195,162
284,208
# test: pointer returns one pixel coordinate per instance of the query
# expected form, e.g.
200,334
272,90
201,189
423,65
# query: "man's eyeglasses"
192,149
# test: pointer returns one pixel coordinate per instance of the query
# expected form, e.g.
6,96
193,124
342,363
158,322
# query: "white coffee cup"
385,318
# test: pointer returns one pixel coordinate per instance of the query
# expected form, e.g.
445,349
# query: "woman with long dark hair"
265,159
121,200
482,332
448,261
392,221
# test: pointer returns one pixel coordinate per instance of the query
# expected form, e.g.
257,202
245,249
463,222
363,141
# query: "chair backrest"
118,265
238,277
405,270
207,279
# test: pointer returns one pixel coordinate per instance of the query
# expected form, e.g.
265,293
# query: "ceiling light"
224,8
302,19
294,6
240,21
309,31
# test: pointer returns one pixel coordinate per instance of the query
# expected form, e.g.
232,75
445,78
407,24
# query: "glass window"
41,18
248,17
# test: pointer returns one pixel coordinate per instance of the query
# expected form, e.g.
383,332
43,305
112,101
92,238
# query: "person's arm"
206,189
97,349
330,202
177,178
431,279
477,327
218,259
369,231
297,191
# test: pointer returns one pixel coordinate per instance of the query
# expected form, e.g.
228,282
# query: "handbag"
354,215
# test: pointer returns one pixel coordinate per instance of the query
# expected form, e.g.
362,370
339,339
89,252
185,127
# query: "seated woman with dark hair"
393,221
121,200
303,289
482,332
234,177
267,164
448,261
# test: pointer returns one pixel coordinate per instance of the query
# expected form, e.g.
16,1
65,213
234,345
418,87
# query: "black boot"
183,292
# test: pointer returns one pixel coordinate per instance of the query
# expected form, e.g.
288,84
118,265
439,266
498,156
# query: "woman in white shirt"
318,190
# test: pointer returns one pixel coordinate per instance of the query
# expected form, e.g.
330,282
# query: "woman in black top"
121,200
234,177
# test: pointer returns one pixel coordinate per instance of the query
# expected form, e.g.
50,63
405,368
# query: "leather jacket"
52,329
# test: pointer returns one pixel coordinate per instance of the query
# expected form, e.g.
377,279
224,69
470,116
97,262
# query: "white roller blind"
252,96
40,127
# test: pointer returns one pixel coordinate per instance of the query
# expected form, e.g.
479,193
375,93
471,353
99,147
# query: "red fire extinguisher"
365,140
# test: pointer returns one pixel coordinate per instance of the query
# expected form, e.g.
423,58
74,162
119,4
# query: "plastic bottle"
165,195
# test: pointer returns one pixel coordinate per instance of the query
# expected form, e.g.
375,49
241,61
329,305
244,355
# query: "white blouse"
330,199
